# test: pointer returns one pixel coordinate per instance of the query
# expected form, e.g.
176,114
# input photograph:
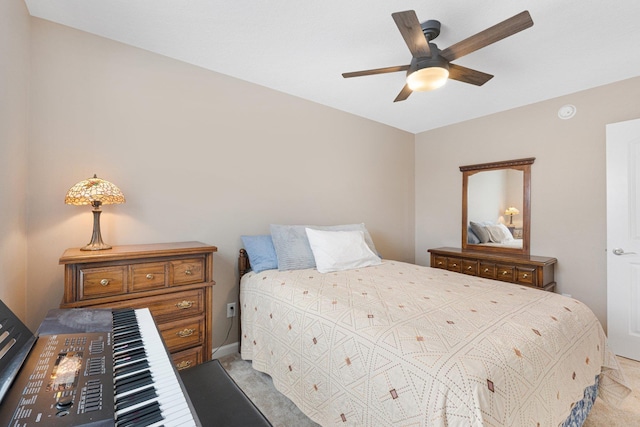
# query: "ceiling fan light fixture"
426,79
429,68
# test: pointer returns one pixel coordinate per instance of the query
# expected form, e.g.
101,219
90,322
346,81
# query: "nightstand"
516,232
173,280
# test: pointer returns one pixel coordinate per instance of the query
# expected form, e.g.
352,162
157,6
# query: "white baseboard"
226,350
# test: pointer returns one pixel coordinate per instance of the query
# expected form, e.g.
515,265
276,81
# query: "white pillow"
340,250
499,233
506,231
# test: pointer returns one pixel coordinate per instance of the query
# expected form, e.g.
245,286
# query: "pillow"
292,247
499,233
292,244
350,227
507,232
262,254
471,237
340,250
480,231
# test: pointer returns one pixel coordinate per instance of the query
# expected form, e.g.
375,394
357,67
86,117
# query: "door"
623,238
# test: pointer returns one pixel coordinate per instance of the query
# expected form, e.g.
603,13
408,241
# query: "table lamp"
511,212
95,192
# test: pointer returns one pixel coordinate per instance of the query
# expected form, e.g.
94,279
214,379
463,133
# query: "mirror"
496,211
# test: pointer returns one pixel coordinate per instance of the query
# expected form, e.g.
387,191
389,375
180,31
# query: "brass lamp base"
96,243
95,246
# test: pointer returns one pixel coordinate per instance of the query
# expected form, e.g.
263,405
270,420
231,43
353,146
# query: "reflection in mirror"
490,194
495,204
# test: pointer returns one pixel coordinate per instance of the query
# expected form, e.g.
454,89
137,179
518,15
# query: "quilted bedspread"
405,345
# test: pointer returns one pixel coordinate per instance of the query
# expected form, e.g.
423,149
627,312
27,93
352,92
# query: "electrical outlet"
231,309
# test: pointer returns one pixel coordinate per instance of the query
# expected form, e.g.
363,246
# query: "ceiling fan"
430,67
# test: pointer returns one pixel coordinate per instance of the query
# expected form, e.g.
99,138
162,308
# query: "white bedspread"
400,344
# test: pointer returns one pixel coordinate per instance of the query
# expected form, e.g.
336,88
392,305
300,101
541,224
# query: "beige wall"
14,87
568,199
199,156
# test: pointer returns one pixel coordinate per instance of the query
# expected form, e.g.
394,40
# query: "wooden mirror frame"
519,164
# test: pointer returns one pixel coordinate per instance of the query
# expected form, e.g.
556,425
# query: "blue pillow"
471,237
262,254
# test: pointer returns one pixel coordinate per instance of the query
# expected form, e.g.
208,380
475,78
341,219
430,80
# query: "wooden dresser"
174,280
533,271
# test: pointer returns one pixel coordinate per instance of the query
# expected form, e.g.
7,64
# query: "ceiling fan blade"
411,31
376,71
491,35
467,75
404,94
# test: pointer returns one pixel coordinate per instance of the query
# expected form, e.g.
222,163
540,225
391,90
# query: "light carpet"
281,412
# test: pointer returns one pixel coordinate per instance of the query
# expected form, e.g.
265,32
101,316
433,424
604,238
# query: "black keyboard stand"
217,399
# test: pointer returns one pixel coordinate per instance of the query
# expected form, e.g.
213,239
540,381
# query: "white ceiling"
302,47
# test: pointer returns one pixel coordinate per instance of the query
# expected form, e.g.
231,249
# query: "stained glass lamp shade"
511,212
95,192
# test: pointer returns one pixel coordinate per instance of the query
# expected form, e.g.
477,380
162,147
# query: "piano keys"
147,390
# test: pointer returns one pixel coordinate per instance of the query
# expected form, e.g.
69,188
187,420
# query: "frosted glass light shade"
426,79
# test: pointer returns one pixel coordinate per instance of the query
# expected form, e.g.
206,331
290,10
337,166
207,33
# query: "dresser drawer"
470,267
175,305
526,276
147,276
163,308
179,304
487,270
440,262
185,271
505,272
100,282
187,358
454,264
183,334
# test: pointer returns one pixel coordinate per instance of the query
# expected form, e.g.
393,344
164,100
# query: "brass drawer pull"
439,262
504,273
185,304
188,272
183,365
104,282
149,276
454,265
187,332
525,275
486,270
470,268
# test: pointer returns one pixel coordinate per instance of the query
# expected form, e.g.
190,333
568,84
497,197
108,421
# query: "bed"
492,235
400,344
